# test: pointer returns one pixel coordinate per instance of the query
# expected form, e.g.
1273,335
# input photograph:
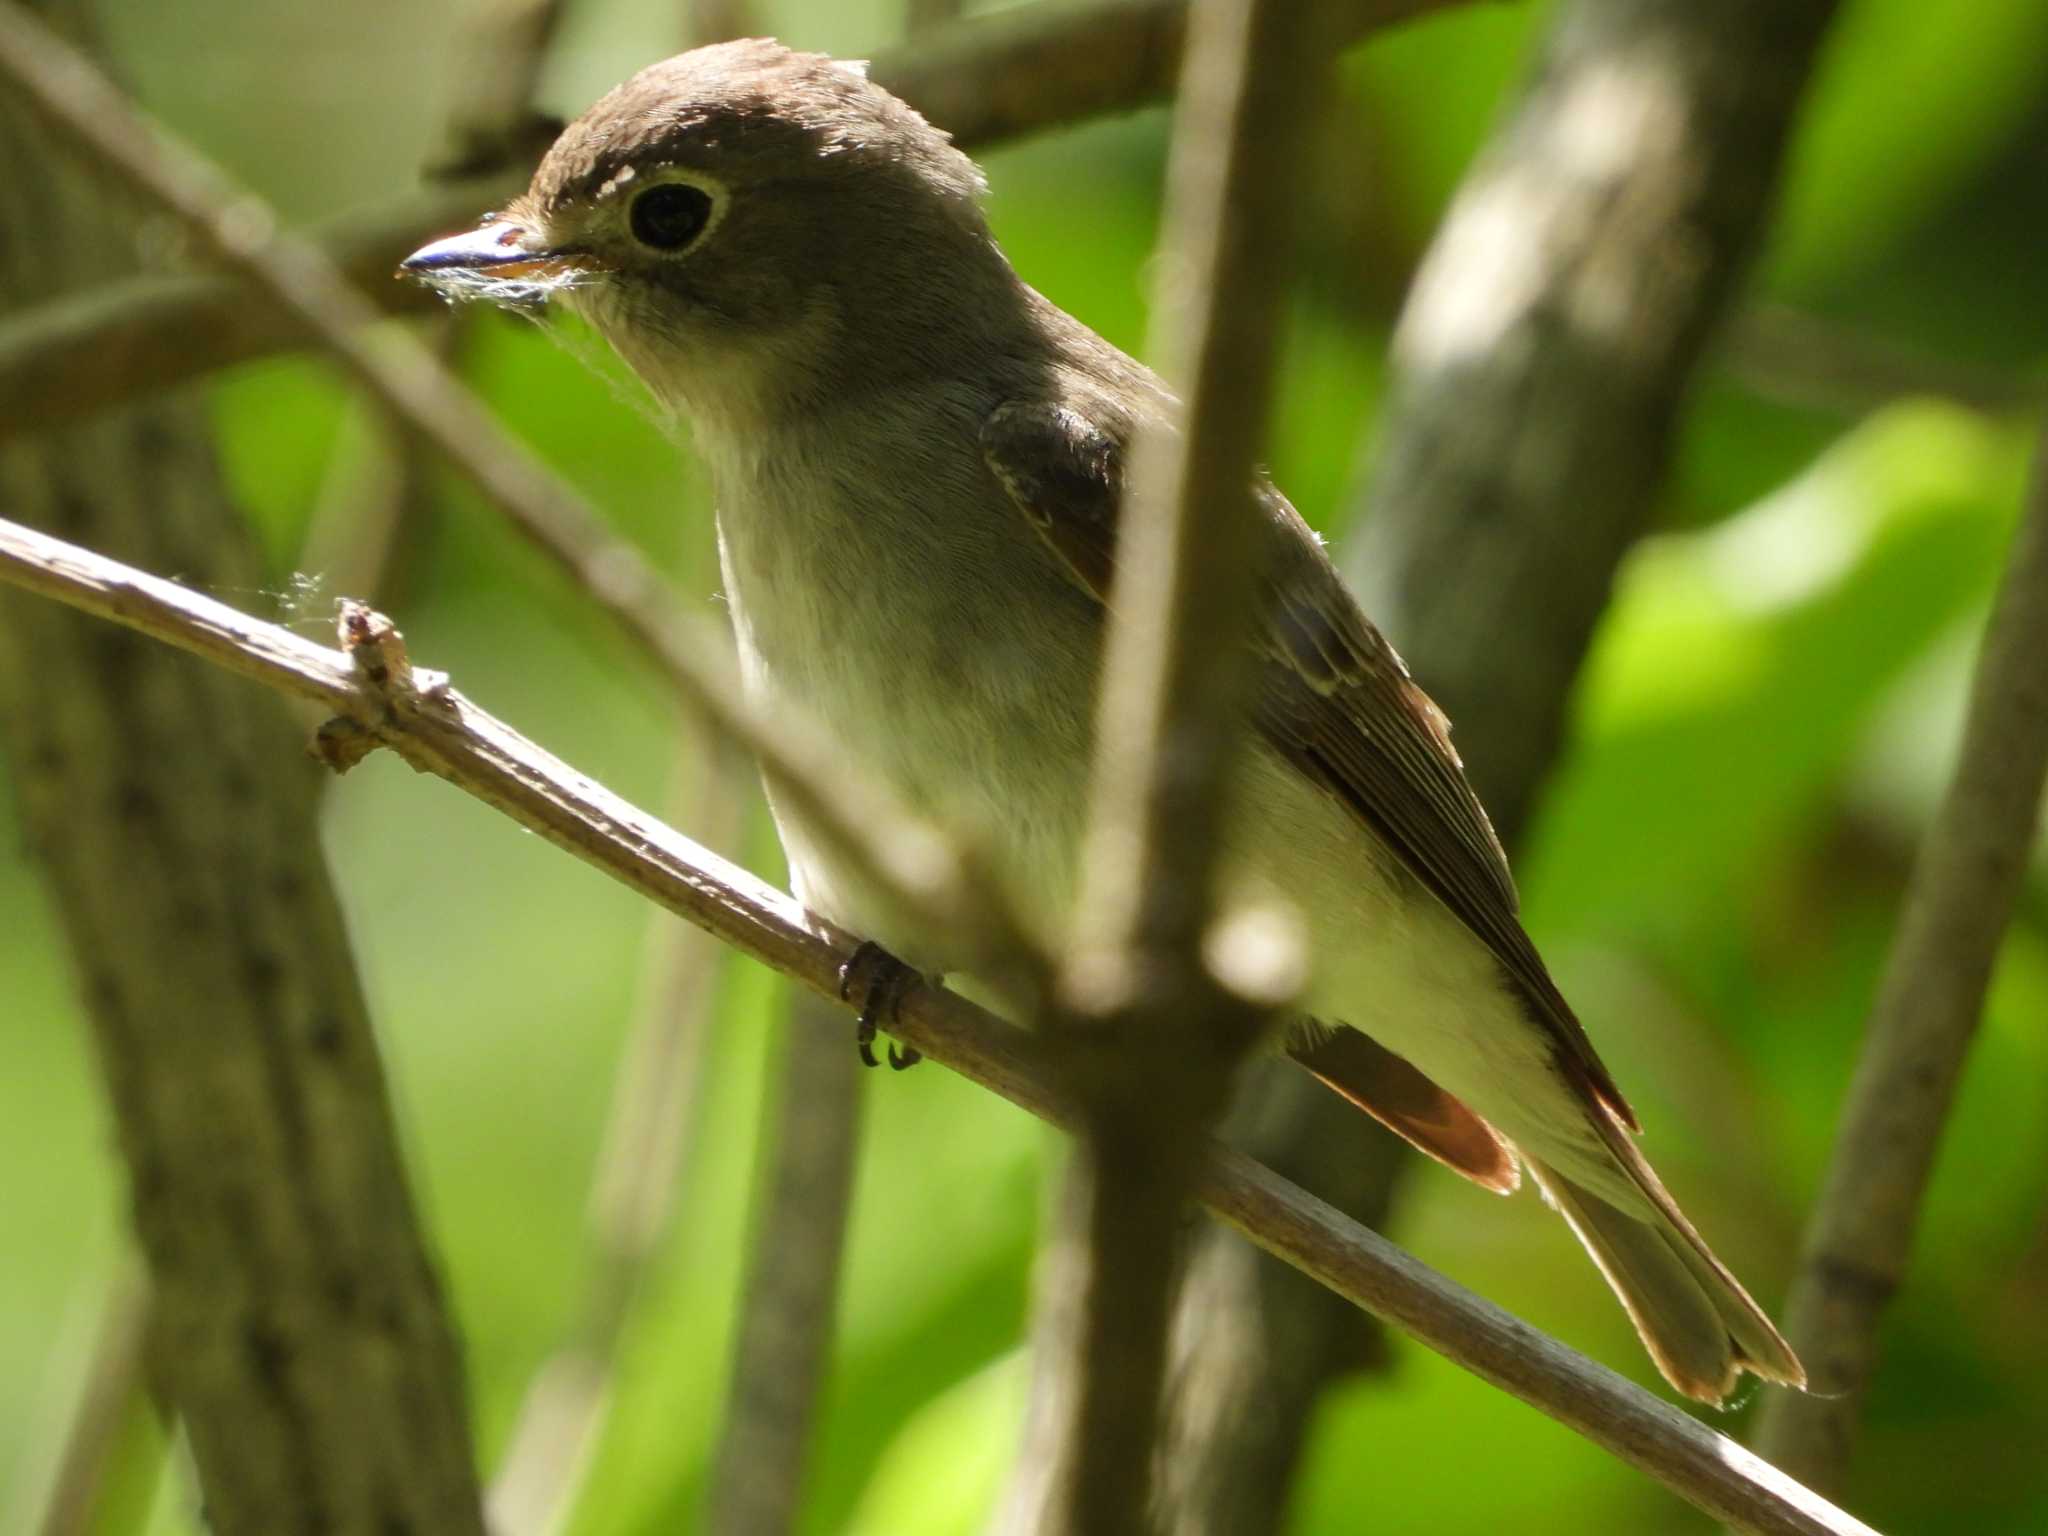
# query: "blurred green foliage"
1763,728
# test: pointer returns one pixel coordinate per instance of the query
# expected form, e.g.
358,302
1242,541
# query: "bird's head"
749,227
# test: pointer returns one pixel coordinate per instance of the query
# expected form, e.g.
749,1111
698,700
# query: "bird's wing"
1332,694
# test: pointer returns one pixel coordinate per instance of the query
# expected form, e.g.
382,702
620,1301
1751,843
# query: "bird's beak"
504,251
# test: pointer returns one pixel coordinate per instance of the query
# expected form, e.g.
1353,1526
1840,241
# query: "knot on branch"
390,687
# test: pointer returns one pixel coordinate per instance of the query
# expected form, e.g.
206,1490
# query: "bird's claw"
880,981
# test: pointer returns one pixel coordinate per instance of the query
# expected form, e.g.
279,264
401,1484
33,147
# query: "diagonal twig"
112,1395
88,351
633,1190
439,732
1958,902
1787,355
1035,67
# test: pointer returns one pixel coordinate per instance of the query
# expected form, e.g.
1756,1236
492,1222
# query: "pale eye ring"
669,216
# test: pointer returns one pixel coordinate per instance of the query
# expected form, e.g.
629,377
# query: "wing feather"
1333,696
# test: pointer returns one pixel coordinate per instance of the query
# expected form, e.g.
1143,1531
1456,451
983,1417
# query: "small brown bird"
919,463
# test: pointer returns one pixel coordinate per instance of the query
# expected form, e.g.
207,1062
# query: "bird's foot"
879,982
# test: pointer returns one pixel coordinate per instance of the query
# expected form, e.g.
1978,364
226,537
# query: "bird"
918,464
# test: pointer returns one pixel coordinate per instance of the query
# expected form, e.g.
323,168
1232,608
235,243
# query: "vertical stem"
633,1188
109,1401
1152,1037
1522,456
1925,1015
792,1281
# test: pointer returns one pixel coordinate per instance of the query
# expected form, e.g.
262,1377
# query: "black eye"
670,216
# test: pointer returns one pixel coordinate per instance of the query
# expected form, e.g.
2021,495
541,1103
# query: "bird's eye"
670,216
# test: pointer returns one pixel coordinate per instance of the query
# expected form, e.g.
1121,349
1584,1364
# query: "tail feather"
1694,1317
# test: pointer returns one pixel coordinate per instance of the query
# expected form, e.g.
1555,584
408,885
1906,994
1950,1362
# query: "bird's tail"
1696,1320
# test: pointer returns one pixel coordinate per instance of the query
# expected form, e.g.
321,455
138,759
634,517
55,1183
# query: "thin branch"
112,1393
986,79
85,352
995,78
380,699
367,498
1786,355
908,859
1249,1329
789,1298
1958,902
1158,1034
376,492
633,1190
1700,1465
1188,548
371,493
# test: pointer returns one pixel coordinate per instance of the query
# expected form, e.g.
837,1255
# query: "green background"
1767,717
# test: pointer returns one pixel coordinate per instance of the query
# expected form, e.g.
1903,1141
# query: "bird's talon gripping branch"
878,981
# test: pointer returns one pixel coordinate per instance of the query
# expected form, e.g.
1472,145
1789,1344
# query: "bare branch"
1249,1329
1958,902
295,1319
1035,67
1704,1467
989,78
1246,1329
908,859
632,1192
1156,1034
791,1290
112,1392
84,352
1175,658
376,493
381,700
1786,355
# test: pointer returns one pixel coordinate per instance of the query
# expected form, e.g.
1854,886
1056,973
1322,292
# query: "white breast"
909,610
